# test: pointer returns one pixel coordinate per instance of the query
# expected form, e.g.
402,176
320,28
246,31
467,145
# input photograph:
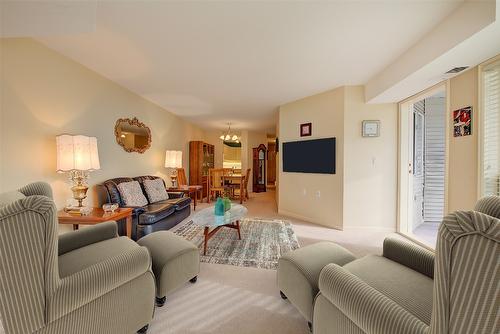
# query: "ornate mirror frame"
132,122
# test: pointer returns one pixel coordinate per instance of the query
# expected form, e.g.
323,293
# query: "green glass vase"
227,204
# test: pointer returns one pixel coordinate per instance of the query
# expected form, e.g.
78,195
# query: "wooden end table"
190,190
97,216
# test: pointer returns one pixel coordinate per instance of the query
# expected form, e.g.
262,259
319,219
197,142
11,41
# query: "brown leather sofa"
152,217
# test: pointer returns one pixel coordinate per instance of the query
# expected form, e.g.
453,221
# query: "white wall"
45,94
297,191
370,164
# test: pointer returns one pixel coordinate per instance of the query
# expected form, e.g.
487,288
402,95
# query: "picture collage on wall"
462,122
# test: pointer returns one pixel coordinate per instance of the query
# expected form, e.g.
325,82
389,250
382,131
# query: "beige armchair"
403,291
87,281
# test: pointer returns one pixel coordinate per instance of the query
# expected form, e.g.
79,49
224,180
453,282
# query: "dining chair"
245,185
216,185
181,177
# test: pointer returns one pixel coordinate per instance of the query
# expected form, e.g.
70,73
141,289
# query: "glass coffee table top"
207,217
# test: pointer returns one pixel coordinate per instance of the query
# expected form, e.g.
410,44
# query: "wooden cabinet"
201,159
259,169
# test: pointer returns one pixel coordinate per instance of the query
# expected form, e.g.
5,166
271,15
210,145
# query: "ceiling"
219,62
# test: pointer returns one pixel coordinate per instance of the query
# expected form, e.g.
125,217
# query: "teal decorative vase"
227,204
219,207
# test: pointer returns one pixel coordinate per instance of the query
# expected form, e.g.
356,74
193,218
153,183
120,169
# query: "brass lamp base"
80,187
79,193
173,177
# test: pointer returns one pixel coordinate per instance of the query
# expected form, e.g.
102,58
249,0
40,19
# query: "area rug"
263,242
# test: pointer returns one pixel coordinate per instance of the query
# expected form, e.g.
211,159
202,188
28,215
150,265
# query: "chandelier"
228,136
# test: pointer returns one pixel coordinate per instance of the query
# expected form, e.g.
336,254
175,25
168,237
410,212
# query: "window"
490,160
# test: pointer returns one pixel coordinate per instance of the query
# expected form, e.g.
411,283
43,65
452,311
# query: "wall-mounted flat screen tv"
309,156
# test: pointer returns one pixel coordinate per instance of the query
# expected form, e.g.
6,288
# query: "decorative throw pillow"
131,193
155,189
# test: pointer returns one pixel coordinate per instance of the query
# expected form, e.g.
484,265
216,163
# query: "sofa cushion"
131,193
10,197
112,189
406,287
155,190
84,257
155,212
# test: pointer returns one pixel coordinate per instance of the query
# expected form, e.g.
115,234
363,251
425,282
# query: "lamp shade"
77,153
173,159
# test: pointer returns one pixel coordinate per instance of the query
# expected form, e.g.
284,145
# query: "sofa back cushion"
113,193
131,194
155,190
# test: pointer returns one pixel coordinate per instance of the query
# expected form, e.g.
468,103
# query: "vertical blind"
491,130
435,125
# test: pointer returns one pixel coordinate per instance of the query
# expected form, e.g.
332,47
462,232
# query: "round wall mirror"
132,135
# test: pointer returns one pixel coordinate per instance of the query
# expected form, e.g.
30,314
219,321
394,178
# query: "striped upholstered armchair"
86,281
405,292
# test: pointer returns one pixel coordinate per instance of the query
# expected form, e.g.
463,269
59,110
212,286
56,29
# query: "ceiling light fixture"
228,136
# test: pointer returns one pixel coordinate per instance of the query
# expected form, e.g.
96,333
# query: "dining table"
238,178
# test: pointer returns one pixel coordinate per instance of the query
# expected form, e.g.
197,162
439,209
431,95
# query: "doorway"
231,155
423,150
271,163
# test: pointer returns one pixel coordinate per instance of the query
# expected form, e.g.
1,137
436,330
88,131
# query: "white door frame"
405,152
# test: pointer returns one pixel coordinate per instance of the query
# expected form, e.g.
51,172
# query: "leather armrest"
136,210
175,194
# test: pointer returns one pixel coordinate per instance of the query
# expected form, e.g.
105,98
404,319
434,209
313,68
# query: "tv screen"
310,156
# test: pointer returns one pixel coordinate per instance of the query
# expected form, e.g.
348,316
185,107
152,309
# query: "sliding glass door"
422,165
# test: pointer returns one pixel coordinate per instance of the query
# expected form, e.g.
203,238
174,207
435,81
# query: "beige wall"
363,192
370,164
45,94
297,191
463,151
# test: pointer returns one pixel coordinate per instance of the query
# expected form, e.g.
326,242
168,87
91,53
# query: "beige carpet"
229,299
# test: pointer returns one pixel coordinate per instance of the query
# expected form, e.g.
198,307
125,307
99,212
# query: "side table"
190,190
97,216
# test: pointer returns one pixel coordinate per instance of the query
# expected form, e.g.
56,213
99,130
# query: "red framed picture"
305,129
462,122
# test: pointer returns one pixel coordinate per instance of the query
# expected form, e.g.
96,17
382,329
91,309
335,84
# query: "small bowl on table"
110,207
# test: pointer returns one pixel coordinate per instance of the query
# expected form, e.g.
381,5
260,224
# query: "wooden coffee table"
213,223
190,190
97,216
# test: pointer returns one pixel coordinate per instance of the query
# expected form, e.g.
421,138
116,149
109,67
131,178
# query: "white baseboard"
348,228
371,229
306,219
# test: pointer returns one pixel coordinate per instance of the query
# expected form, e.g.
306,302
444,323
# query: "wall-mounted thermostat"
371,128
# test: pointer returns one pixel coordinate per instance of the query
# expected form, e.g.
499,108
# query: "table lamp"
77,155
173,159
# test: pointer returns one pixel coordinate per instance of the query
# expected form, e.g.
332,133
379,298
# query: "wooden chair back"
245,186
216,178
181,177
228,171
